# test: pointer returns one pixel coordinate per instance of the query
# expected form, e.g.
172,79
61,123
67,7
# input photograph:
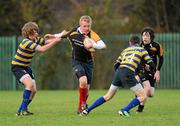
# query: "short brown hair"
85,18
28,28
134,39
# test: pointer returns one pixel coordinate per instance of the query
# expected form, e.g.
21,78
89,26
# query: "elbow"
99,45
104,46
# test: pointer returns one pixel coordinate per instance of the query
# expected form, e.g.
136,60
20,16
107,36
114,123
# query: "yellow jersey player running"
22,59
125,67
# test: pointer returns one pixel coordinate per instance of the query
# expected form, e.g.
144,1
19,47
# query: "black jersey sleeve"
69,32
160,56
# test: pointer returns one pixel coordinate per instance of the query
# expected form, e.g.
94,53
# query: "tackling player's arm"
58,35
49,43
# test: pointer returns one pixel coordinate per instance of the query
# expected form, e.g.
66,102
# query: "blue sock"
20,108
25,101
97,103
132,104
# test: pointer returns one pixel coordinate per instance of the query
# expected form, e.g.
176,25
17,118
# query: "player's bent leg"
28,83
33,93
34,90
83,82
111,92
109,95
141,97
147,87
152,91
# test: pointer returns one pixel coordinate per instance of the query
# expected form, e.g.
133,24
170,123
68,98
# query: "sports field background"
58,108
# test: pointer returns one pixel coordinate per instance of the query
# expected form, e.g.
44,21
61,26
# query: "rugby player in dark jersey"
155,51
84,41
82,56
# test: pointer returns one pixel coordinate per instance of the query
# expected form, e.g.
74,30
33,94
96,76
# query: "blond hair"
85,18
28,29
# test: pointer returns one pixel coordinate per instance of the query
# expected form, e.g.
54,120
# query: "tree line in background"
110,17
123,16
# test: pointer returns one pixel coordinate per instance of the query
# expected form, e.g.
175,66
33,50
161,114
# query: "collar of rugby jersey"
134,44
31,39
79,30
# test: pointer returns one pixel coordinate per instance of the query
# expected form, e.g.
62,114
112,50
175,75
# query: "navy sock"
20,108
132,104
97,103
25,101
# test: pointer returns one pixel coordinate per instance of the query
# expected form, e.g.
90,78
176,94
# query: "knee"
150,93
29,86
34,91
83,82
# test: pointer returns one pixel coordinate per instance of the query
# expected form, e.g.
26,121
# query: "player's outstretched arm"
58,35
50,43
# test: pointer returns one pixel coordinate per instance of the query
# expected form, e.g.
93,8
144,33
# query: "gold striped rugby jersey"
132,56
26,50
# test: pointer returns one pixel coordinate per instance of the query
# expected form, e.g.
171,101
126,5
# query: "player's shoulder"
94,36
92,32
38,39
25,40
74,31
156,43
137,48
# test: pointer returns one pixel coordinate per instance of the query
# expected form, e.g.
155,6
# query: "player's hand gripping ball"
88,43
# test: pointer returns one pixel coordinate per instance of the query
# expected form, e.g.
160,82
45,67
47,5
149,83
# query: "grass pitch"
58,108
